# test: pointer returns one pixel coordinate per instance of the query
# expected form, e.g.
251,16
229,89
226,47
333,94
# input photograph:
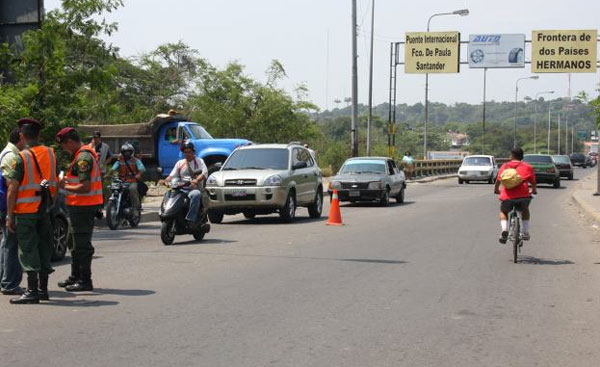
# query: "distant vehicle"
157,142
369,179
545,169
478,168
264,179
581,160
563,163
593,159
119,208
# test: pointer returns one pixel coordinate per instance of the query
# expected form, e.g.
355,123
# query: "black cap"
29,125
97,134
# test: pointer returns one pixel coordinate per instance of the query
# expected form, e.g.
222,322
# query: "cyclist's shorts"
520,204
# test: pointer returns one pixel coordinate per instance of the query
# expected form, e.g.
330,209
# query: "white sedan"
478,168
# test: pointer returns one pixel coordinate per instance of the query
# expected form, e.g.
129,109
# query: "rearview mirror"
219,164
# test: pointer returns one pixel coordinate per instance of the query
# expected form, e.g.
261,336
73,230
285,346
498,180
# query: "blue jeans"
11,272
195,202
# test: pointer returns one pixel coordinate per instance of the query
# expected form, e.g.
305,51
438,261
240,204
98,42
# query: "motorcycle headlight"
335,185
274,180
375,185
212,181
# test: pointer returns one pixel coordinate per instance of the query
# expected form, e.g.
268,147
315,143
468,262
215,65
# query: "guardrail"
425,168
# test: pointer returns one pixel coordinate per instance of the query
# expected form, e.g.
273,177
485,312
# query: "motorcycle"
173,210
119,208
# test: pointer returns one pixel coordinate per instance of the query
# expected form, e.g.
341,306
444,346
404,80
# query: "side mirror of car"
299,165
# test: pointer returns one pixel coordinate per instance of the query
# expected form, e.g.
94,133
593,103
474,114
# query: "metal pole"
354,84
515,124
371,80
483,123
549,108
558,143
567,134
535,126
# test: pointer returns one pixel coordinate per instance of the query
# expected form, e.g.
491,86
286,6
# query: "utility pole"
354,84
558,152
369,121
484,90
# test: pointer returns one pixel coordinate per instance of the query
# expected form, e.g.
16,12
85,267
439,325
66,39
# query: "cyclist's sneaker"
525,236
503,237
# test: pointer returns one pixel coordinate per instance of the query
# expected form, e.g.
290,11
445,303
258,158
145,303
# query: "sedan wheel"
385,199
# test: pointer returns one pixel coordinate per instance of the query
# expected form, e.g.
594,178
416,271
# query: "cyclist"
515,191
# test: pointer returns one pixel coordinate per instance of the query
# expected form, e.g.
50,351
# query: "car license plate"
354,194
238,193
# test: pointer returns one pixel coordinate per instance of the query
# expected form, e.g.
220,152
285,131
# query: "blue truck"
157,142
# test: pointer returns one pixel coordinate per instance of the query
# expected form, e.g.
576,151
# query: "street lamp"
462,13
549,127
535,118
535,77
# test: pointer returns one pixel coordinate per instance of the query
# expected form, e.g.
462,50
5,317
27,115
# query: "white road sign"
496,51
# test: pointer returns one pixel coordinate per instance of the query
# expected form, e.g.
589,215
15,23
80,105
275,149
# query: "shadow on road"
368,204
536,261
551,188
209,241
123,292
275,220
375,261
77,302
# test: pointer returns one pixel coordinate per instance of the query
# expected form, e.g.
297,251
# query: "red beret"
29,121
63,132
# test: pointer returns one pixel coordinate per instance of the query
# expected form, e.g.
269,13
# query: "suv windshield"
258,158
546,159
477,161
199,132
562,159
363,166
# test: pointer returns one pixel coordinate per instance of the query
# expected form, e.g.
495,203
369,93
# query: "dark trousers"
80,231
11,273
34,233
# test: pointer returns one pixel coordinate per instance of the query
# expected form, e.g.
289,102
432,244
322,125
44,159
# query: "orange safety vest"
95,196
128,170
28,197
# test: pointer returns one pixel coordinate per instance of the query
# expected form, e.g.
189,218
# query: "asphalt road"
420,284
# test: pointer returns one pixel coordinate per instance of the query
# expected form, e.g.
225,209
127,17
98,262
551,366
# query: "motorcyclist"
195,169
130,170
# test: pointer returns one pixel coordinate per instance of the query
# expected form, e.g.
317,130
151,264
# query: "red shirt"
527,174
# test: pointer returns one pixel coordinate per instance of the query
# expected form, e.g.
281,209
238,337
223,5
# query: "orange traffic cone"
335,216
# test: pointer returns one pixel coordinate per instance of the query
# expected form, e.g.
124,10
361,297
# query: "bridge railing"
425,168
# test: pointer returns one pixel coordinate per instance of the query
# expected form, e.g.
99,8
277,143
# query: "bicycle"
514,231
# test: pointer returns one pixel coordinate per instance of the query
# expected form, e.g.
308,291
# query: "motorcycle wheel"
113,217
167,232
199,236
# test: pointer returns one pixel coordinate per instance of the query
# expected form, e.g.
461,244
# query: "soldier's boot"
71,279
43,291
84,283
31,293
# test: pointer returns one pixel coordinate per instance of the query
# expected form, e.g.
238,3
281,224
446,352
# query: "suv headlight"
274,180
375,185
335,185
212,181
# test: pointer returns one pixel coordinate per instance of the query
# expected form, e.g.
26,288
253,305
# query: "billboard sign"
568,51
496,51
432,52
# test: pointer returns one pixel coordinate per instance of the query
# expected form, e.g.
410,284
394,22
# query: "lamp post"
549,127
535,77
535,119
462,13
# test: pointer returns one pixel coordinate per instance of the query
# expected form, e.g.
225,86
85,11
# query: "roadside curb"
432,178
590,210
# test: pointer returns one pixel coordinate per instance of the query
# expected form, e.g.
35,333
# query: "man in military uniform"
83,184
31,190
11,273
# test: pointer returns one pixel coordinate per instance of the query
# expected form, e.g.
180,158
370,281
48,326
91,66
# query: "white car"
478,168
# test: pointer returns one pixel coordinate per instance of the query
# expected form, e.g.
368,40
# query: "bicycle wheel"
516,237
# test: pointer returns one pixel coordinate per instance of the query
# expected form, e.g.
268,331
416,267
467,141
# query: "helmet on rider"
127,150
188,145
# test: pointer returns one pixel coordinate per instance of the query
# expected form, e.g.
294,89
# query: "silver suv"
264,179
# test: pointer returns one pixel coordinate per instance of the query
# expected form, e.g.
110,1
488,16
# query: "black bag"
47,200
142,189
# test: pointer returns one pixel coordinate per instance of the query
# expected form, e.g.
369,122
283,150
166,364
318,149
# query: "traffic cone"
335,216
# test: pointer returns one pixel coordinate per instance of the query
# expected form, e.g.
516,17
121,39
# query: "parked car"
264,179
563,163
581,160
545,169
60,224
478,168
369,179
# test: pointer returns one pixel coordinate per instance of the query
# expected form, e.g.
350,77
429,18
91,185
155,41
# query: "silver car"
264,179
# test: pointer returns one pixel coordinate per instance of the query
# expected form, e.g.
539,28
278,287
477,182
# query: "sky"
312,38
